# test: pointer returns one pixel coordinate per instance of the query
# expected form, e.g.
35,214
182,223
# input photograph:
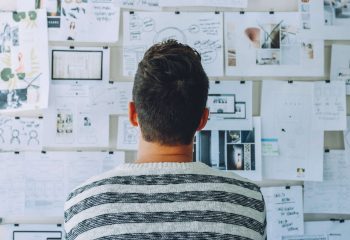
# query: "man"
164,195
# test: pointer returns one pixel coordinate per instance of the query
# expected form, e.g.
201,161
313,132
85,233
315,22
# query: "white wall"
333,140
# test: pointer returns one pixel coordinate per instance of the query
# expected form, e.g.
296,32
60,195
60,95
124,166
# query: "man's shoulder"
199,173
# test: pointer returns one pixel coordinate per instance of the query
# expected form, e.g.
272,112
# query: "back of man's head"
170,93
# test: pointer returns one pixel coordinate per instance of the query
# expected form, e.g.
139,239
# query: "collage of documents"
279,83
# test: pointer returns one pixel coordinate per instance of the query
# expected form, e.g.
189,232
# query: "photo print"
270,44
231,150
23,61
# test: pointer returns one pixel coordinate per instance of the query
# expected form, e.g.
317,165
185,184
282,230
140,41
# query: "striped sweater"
165,201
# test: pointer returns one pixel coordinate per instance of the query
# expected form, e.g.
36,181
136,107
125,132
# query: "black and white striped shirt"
165,201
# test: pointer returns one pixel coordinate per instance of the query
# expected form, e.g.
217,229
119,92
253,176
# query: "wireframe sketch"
336,12
131,134
23,61
77,65
202,31
20,133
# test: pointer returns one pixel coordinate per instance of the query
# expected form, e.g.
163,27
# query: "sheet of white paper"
286,113
334,230
31,232
76,20
71,121
20,134
306,237
113,97
329,106
201,3
151,5
44,186
128,135
81,166
284,211
340,65
263,44
12,184
230,105
201,30
84,63
328,196
233,150
36,184
24,81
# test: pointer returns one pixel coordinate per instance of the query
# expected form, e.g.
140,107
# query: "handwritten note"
284,209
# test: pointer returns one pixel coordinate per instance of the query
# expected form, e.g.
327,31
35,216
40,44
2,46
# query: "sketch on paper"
113,97
77,65
230,103
20,134
336,12
88,64
23,61
128,135
202,31
71,121
73,20
294,145
270,45
232,150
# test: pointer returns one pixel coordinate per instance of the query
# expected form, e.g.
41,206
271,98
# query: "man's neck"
155,153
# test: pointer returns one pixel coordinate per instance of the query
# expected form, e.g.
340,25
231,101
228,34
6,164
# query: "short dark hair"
170,93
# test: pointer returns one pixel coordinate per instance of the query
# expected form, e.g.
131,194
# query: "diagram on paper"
20,134
71,121
128,135
202,31
230,104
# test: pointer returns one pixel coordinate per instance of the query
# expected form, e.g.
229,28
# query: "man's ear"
133,115
204,119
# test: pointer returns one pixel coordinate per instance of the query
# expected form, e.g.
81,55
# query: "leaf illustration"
6,74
